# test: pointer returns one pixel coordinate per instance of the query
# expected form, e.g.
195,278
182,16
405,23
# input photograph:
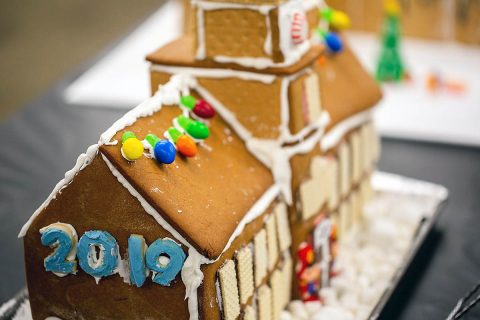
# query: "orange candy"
186,146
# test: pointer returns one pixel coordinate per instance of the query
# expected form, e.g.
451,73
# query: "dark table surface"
43,141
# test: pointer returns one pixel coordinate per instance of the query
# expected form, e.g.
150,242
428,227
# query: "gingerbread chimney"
250,32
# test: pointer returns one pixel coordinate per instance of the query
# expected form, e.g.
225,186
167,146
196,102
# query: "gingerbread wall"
95,200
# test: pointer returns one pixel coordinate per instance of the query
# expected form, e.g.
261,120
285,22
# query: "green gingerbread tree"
390,66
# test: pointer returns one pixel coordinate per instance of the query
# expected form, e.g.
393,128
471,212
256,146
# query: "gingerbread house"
223,195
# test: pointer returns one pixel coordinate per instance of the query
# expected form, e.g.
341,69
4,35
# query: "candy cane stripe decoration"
298,30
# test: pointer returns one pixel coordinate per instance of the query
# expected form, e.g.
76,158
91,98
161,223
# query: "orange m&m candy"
186,146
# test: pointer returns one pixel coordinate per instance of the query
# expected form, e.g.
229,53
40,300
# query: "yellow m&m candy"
340,20
132,148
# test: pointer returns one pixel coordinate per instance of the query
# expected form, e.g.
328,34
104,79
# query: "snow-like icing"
192,277
370,255
292,57
215,73
335,135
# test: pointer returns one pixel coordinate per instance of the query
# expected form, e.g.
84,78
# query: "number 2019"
98,255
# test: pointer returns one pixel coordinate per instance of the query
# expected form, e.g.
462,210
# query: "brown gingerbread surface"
204,197
181,53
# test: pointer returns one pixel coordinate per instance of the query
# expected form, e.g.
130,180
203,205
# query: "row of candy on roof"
181,137
337,20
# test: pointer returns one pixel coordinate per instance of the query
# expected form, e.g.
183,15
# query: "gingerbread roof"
181,52
205,197
346,87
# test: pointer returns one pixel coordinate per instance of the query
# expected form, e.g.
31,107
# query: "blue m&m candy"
163,150
333,42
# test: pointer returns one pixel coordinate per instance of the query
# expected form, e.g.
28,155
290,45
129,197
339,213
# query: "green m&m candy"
174,134
196,129
188,101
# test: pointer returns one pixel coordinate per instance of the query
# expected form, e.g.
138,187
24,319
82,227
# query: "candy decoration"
196,129
333,42
188,101
63,238
165,258
299,28
203,109
97,253
186,146
326,14
340,20
174,134
132,148
136,259
163,150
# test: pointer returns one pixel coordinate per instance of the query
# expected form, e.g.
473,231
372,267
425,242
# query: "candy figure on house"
199,202
308,272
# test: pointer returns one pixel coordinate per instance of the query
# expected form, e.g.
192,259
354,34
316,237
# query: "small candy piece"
164,151
136,259
333,42
97,253
184,122
392,8
174,134
204,110
132,148
188,101
186,146
127,135
196,129
152,139
165,258
340,20
63,238
326,14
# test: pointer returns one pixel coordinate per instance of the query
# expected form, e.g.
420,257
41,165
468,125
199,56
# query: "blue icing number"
63,238
165,258
136,259
97,253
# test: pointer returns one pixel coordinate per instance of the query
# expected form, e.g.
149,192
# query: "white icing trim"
210,5
255,211
83,160
267,46
311,4
333,137
167,94
201,50
192,278
215,73
225,113
262,63
285,134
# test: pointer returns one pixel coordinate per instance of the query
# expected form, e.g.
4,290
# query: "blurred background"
41,41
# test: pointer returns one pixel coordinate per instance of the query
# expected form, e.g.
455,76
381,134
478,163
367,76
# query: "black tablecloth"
43,141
